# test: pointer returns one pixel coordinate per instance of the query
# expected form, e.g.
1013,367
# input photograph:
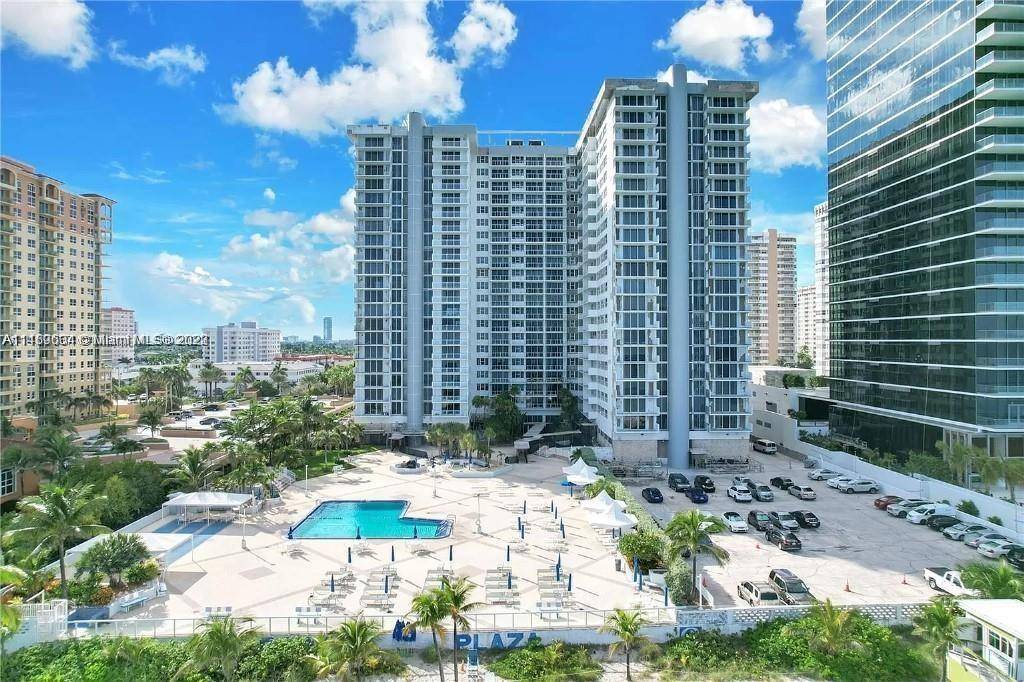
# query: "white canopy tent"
158,544
586,478
602,502
578,467
613,518
208,501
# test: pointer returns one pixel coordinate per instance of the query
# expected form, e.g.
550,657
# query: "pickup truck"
947,580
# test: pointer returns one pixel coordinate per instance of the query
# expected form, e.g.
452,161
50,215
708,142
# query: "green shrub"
141,572
968,507
643,546
679,579
702,652
112,555
995,519
386,663
87,590
428,655
555,662
278,659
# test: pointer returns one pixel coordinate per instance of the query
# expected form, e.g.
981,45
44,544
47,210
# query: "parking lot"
859,555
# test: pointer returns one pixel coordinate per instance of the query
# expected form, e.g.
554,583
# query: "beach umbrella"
524,506
332,582
508,552
563,530
415,532
556,512
392,554
558,572
510,580
359,535
552,505
385,583
397,631
451,552
571,486
570,583
522,532
350,554
519,522
559,560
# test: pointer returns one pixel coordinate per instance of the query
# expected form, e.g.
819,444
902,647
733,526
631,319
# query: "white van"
926,511
768,447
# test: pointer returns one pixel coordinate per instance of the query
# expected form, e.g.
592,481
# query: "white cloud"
811,23
722,34
175,64
269,195
172,266
691,76
263,217
487,29
268,152
54,28
395,67
784,135
136,237
149,176
303,306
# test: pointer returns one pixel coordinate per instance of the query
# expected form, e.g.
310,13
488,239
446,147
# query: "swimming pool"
352,519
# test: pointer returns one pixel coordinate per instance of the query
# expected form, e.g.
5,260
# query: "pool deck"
272,575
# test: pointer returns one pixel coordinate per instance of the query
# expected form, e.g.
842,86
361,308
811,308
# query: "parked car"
782,482
958,531
209,421
900,509
678,482
758,520
946,580
822,474
652,495
1015,557
940,522
232,404
804,492
734,522
757,594
743,482
886,500
768,447
976,539
783,520
806,519
789,587
835,481
762,493
859,485
921,514
704,483
994,549
696,495
784,540
739,494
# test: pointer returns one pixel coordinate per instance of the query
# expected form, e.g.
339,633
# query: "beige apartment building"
51,288
772,296
806,321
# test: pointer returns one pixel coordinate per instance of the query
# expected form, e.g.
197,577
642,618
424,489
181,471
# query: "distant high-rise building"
51,272
615,268
328,325
926,225
821,279
291,339
772,298
318,339
118,324
805,322
243,342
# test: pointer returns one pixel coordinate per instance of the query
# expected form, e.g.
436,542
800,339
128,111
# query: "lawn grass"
315,460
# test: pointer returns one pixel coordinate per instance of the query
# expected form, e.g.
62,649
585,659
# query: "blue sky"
227,156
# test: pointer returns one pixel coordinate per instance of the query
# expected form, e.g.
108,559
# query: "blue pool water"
369,520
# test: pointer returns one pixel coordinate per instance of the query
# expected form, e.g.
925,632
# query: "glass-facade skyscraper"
926,222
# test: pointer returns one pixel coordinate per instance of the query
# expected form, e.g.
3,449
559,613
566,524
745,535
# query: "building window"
7,481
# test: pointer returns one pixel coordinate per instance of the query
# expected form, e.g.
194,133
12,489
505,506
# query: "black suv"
941,522
704,483
806,519
652,495
792,590
678,482
782,482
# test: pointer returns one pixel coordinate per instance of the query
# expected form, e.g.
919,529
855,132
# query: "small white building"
993,641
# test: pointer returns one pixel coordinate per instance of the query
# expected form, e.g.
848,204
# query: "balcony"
1001,144
1000,9
1001,61
1001,88
1001,33
1000,170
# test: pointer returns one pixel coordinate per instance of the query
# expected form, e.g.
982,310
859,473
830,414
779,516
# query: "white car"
978,539
739,494
822,474
857,485
995,549
735,522
804,492
901,509
835,481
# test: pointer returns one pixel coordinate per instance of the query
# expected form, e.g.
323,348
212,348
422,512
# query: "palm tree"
627,626
939,624
832,627
429,611
244,378
113,431
218,646
468,443
57,450
993,581
151,418
348,649
208,375
10,616
278,376
59,515
993,469
149,377
691,531
455,596
311,415
126,446
193,469
175,377
490,434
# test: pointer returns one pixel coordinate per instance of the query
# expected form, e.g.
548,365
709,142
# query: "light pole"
306,482
244,518
479,528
